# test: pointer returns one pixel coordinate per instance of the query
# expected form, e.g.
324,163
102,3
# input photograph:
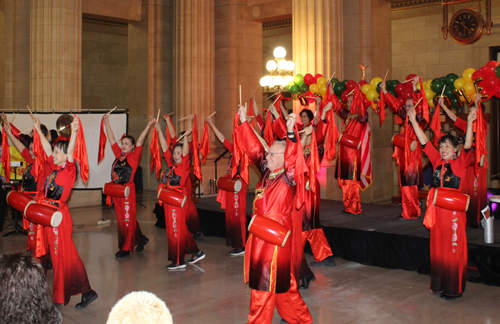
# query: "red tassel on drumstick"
80,153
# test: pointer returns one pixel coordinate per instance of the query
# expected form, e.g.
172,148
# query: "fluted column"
318,37
194,58
55,59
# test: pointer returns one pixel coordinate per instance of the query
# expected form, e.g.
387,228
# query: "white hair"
140,307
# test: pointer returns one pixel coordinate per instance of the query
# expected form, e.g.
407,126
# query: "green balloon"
393,93
299,83
289,84
334,80
454,102
497,71
449,91
298,77
304,88
378,87
345,82
450,79
437,85
338,88
294,89
391,85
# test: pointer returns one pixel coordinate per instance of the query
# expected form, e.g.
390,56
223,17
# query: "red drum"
269,230
43,215
116,190
228,184
172,197
19,201
473,160
399,141
451,199
350,141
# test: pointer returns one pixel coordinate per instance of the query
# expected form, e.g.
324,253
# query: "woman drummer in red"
180,240
448,242
70,276
123,172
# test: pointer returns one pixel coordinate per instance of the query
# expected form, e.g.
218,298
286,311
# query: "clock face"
466,26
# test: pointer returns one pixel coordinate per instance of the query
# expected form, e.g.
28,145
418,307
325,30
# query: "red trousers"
319,245
350,196
180,240
448,252
236,218
410,202
290,306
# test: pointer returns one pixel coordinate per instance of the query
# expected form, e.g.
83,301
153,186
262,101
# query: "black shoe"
328,262
437,292
448,297
122,254
140,246
197,235
176,266
347,213
87,298
237,252
198,256
307,281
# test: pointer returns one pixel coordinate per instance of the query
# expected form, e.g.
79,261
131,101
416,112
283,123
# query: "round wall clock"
466,26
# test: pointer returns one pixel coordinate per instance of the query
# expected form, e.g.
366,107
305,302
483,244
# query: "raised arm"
75,125
217,133
273,111
469,135
17,143
170,127
163,141
109,131
418,131
448,112
47,148
144,133
325,110
185,144
255,107
283,110
306,136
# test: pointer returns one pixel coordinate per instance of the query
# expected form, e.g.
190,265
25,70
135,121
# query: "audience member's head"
25,295
140,307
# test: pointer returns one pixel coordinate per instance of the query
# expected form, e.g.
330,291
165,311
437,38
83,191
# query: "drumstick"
158,116
182,136
240,94
30,112
442,92
350,93
24,131
255,91
169,114
13,117
332,76
418,102
212,114
109,112
184,118
386,73
277,97
407,81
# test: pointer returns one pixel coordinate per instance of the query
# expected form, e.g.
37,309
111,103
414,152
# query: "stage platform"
376,237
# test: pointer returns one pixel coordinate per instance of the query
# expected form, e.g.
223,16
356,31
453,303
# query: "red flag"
15,131
425,104
480,129
314,165
205,143
297,157
381,108
357,102
196,150
5,154
240,158
167,133
436,124
268,130
102,143
80,153
40,156
332,136
155,154
251,112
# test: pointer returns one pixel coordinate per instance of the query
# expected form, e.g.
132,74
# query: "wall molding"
105,26
277,28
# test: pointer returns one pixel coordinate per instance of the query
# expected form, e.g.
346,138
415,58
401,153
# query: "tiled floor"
213,291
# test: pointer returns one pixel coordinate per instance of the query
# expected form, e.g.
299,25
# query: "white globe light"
278,80
271,65
263,82
267,80
290,66
288,79
279,52
282,65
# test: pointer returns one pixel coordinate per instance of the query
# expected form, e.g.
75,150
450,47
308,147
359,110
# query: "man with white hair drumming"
268,267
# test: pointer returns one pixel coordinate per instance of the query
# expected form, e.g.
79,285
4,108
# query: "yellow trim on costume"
272,276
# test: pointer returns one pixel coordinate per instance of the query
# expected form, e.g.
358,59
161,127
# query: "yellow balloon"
459,83
314,88
431,103
321,81
429,94
322,89
372,94
418,86
375,81
427,84
469,88
365,88
467,75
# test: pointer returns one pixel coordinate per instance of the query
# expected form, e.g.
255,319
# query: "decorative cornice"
105,26
277,24
276,28
418,8
406,4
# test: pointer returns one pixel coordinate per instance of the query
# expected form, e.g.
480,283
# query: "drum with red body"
473,160
269,230
172,197
116,190
43,215
399,141
350,141
228,184
19,200
451,199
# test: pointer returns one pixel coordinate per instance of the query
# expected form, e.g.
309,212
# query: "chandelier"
280,72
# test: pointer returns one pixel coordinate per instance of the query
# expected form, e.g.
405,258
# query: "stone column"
194,58
56,58
318,37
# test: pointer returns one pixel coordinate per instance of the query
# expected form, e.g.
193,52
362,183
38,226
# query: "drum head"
413,146
127,191
31,202
237,186
183,201
56,219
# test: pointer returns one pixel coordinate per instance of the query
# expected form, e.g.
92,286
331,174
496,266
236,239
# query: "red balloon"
408,86
401,100
490,67
366,102
410,76
406,94
399,88
344,96
316,77
362,83
490,86
479,74
308,79
351,84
